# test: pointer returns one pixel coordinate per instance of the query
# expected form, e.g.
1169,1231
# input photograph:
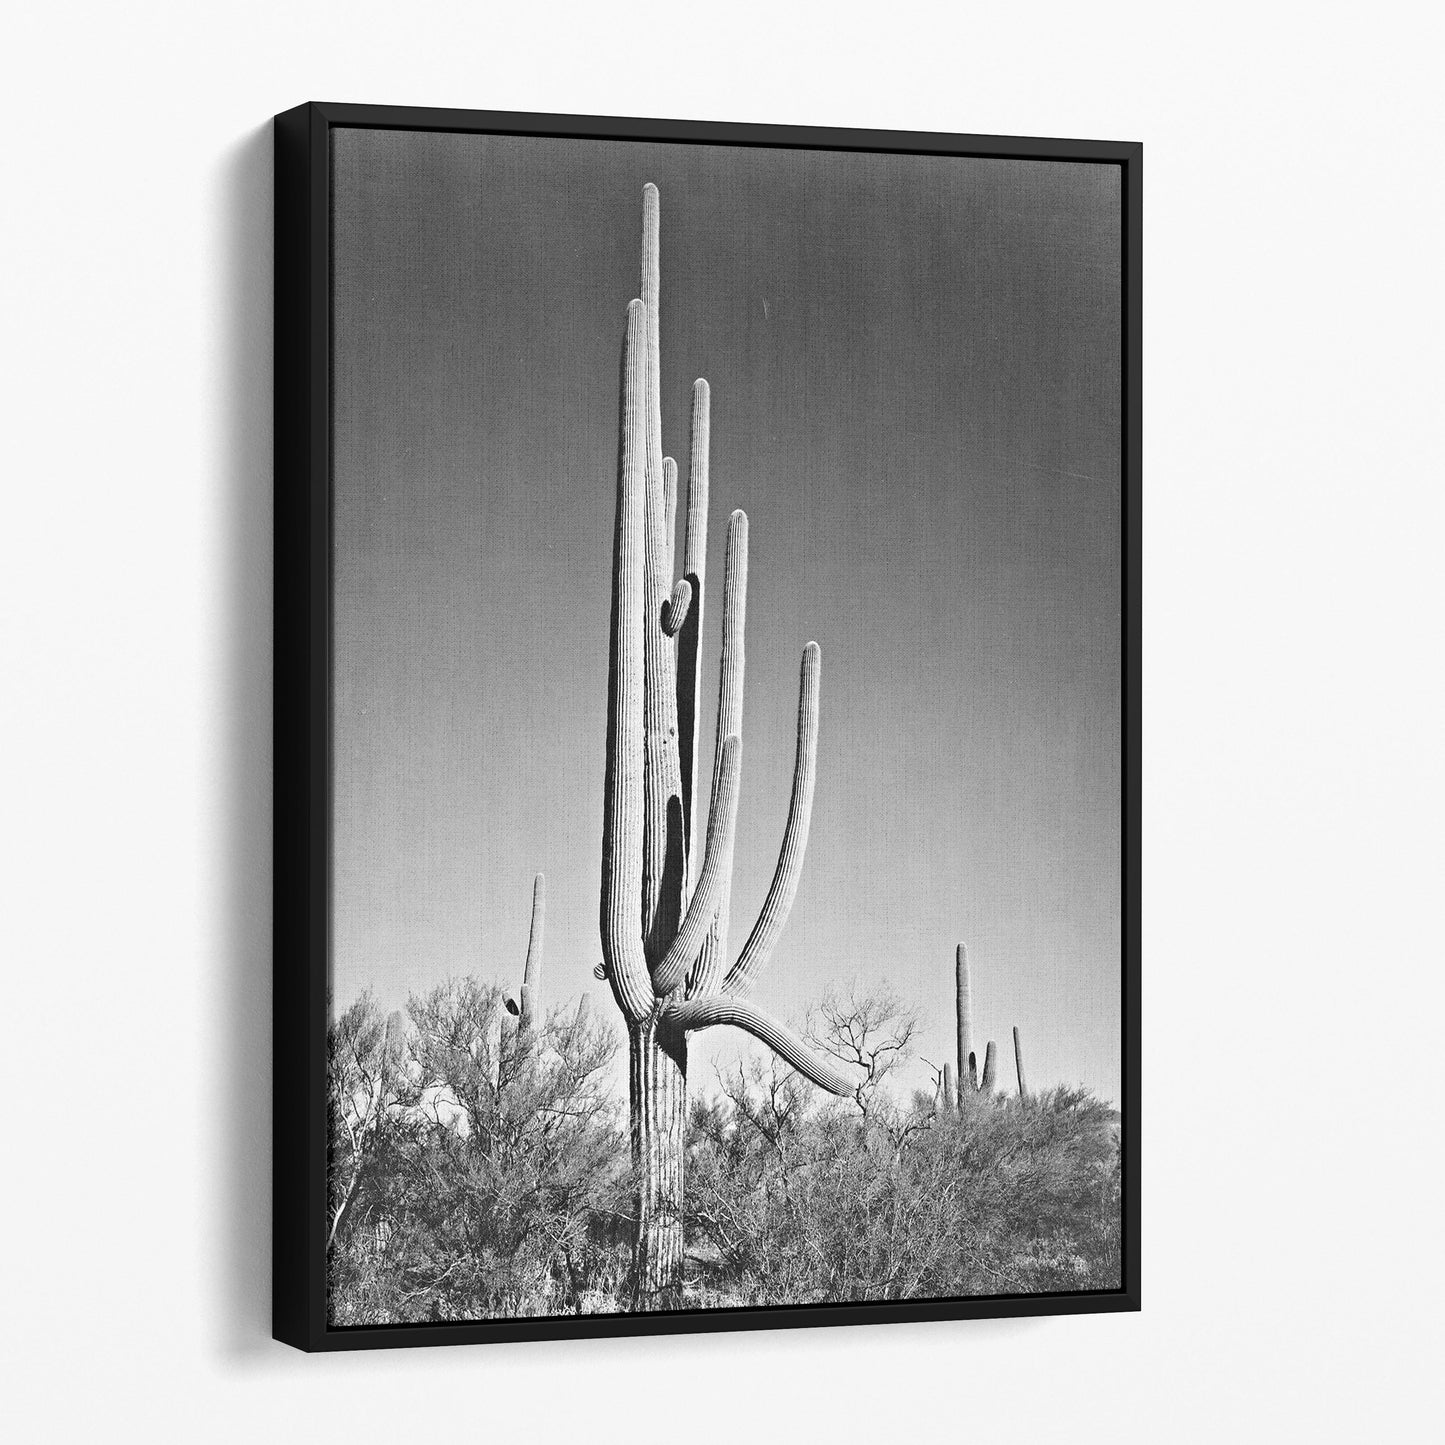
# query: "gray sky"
915,396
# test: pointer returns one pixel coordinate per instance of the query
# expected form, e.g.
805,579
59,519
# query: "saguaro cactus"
532,974
948,1086
528,1010
663,919
967,1059
1019,1064
963,992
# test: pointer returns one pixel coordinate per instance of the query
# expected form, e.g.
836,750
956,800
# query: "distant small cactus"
527,1008
963,991
532,974
990,1061
968,1075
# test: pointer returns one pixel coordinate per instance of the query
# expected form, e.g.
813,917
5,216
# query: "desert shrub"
1000,1198
500,1175
476,1172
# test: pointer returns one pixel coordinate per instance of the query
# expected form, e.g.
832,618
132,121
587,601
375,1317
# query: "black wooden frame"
303,768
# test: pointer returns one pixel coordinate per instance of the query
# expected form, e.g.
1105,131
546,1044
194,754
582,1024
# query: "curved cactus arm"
532,974
622,823
729,724
669,510
706,1013
721,829
689,644
676,608
779,902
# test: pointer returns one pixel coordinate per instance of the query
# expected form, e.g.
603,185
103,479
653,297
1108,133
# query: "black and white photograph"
727,804
722,724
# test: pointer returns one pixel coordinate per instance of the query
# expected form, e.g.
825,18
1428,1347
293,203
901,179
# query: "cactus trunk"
657,1088
950,1089
1019,1064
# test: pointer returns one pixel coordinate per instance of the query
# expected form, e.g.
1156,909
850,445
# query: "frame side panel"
301,726
1132,712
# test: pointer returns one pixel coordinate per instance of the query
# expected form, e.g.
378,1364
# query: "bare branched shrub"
871,1029
793,1202
368,1092
476,1172
504,1175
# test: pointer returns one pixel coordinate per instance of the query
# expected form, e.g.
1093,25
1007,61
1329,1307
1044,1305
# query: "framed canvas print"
707,726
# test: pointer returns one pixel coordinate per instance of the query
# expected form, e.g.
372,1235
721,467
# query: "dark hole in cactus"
664,923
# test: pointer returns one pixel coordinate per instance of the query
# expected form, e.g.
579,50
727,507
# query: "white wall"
1293,749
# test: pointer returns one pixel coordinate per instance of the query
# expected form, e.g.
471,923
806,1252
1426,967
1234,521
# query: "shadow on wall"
240,1033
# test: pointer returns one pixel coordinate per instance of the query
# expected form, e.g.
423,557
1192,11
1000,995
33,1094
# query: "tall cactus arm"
706,1013
689,643
733,670
622,824
669,510
532,974
651,297
729,724
779,902
663,844
721,830
990,1066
